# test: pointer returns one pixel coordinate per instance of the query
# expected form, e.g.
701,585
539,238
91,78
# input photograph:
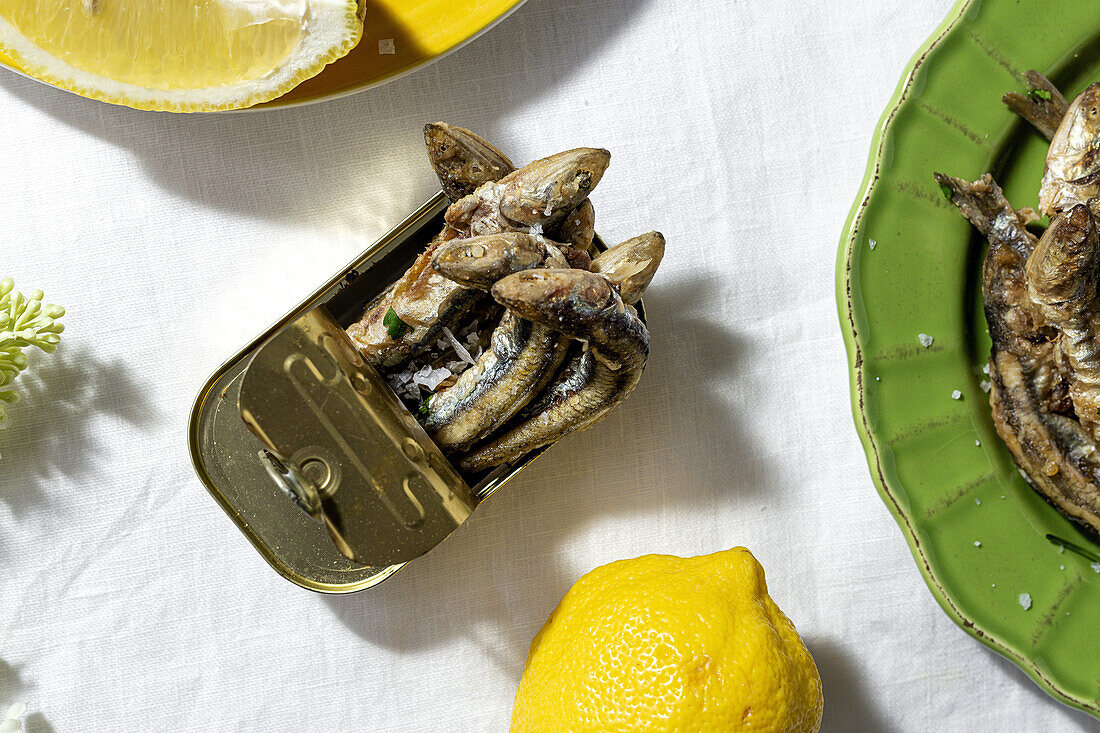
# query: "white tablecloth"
129,601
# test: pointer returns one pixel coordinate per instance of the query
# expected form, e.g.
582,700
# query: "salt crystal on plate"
1025,601
956,395
872,243
977,543
984,384
387,47
925,340
1095,567
985,368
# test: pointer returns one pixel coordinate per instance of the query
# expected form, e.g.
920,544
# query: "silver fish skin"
1072,173
522,357
1062,281
462,159
630,266
583,306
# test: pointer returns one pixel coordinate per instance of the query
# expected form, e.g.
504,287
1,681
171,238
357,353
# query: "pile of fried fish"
568,346
1041,302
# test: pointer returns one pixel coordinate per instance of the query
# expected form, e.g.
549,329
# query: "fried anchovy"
630,267
462,159
1028,391
523,356
577,228
1056,454
539,193
1043,106
1062,280
1014,322
424,300
1072,173
584,306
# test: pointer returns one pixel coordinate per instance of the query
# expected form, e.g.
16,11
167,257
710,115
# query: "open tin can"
310,452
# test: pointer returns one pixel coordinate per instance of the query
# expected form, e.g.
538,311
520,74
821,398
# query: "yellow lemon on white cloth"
663,643
178,55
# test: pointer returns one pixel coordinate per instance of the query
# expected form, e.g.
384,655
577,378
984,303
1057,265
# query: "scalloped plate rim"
855,366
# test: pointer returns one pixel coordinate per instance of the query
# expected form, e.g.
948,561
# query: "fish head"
1075,149
630,265
570,301
1072,174
547,189
462,159
478,262
1064,260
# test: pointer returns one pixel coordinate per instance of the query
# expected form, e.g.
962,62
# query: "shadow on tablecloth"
52,431
849,705
309,165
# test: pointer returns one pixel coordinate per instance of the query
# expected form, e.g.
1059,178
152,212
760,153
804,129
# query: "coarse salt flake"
956,395
1095,567
977,543
872,243
387,47
985,368
458,347
985,385
978,502
925,339
1025,601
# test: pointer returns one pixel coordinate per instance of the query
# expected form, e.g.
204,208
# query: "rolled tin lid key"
339,445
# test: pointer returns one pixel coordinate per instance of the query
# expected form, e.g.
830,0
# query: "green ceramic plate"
909,264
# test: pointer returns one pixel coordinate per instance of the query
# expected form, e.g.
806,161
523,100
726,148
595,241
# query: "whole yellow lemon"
663,643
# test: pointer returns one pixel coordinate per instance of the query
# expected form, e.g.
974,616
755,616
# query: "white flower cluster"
24,321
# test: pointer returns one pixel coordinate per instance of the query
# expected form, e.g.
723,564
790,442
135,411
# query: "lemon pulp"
178,54
221,43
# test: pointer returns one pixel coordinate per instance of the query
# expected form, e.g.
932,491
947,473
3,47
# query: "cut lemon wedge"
178,55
